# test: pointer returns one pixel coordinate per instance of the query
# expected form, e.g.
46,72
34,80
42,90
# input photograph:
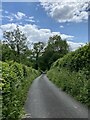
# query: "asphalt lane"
45,100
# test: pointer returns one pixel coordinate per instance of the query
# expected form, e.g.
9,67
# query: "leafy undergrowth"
72,74
16,80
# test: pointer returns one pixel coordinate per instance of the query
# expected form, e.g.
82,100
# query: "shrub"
16,79
72,74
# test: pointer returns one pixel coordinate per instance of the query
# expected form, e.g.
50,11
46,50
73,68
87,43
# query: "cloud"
8,27
19,15
67,11
61,26
1,10
6,12
30,19
34,34
11,16
67,37
73,46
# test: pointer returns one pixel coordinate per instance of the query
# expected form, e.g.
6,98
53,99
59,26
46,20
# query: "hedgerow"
72,74
76,60
16,79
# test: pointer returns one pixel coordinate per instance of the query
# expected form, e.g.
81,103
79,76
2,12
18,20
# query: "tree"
57,44
55,49
16,40
38,49
26,58
7,53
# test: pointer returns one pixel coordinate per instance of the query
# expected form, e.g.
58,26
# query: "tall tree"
16,40
57,44
55,49
37,52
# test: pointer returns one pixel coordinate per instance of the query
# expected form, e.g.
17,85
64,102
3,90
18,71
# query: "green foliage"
72,74
14,47
74,83
16,40
16,79
76,60
37,52
58,45
55,49
40,57
8,55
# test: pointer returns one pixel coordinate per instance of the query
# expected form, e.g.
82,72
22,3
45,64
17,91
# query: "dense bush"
74,83
76,60
16,79
72,74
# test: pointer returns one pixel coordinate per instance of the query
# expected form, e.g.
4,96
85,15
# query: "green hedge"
76,60
74,83
16,80
72,74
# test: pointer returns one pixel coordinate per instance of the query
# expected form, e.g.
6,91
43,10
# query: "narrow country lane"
45,100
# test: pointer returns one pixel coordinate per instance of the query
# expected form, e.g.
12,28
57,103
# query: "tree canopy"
55,49
41,56
16,40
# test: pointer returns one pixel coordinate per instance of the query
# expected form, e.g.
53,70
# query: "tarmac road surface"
45,100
